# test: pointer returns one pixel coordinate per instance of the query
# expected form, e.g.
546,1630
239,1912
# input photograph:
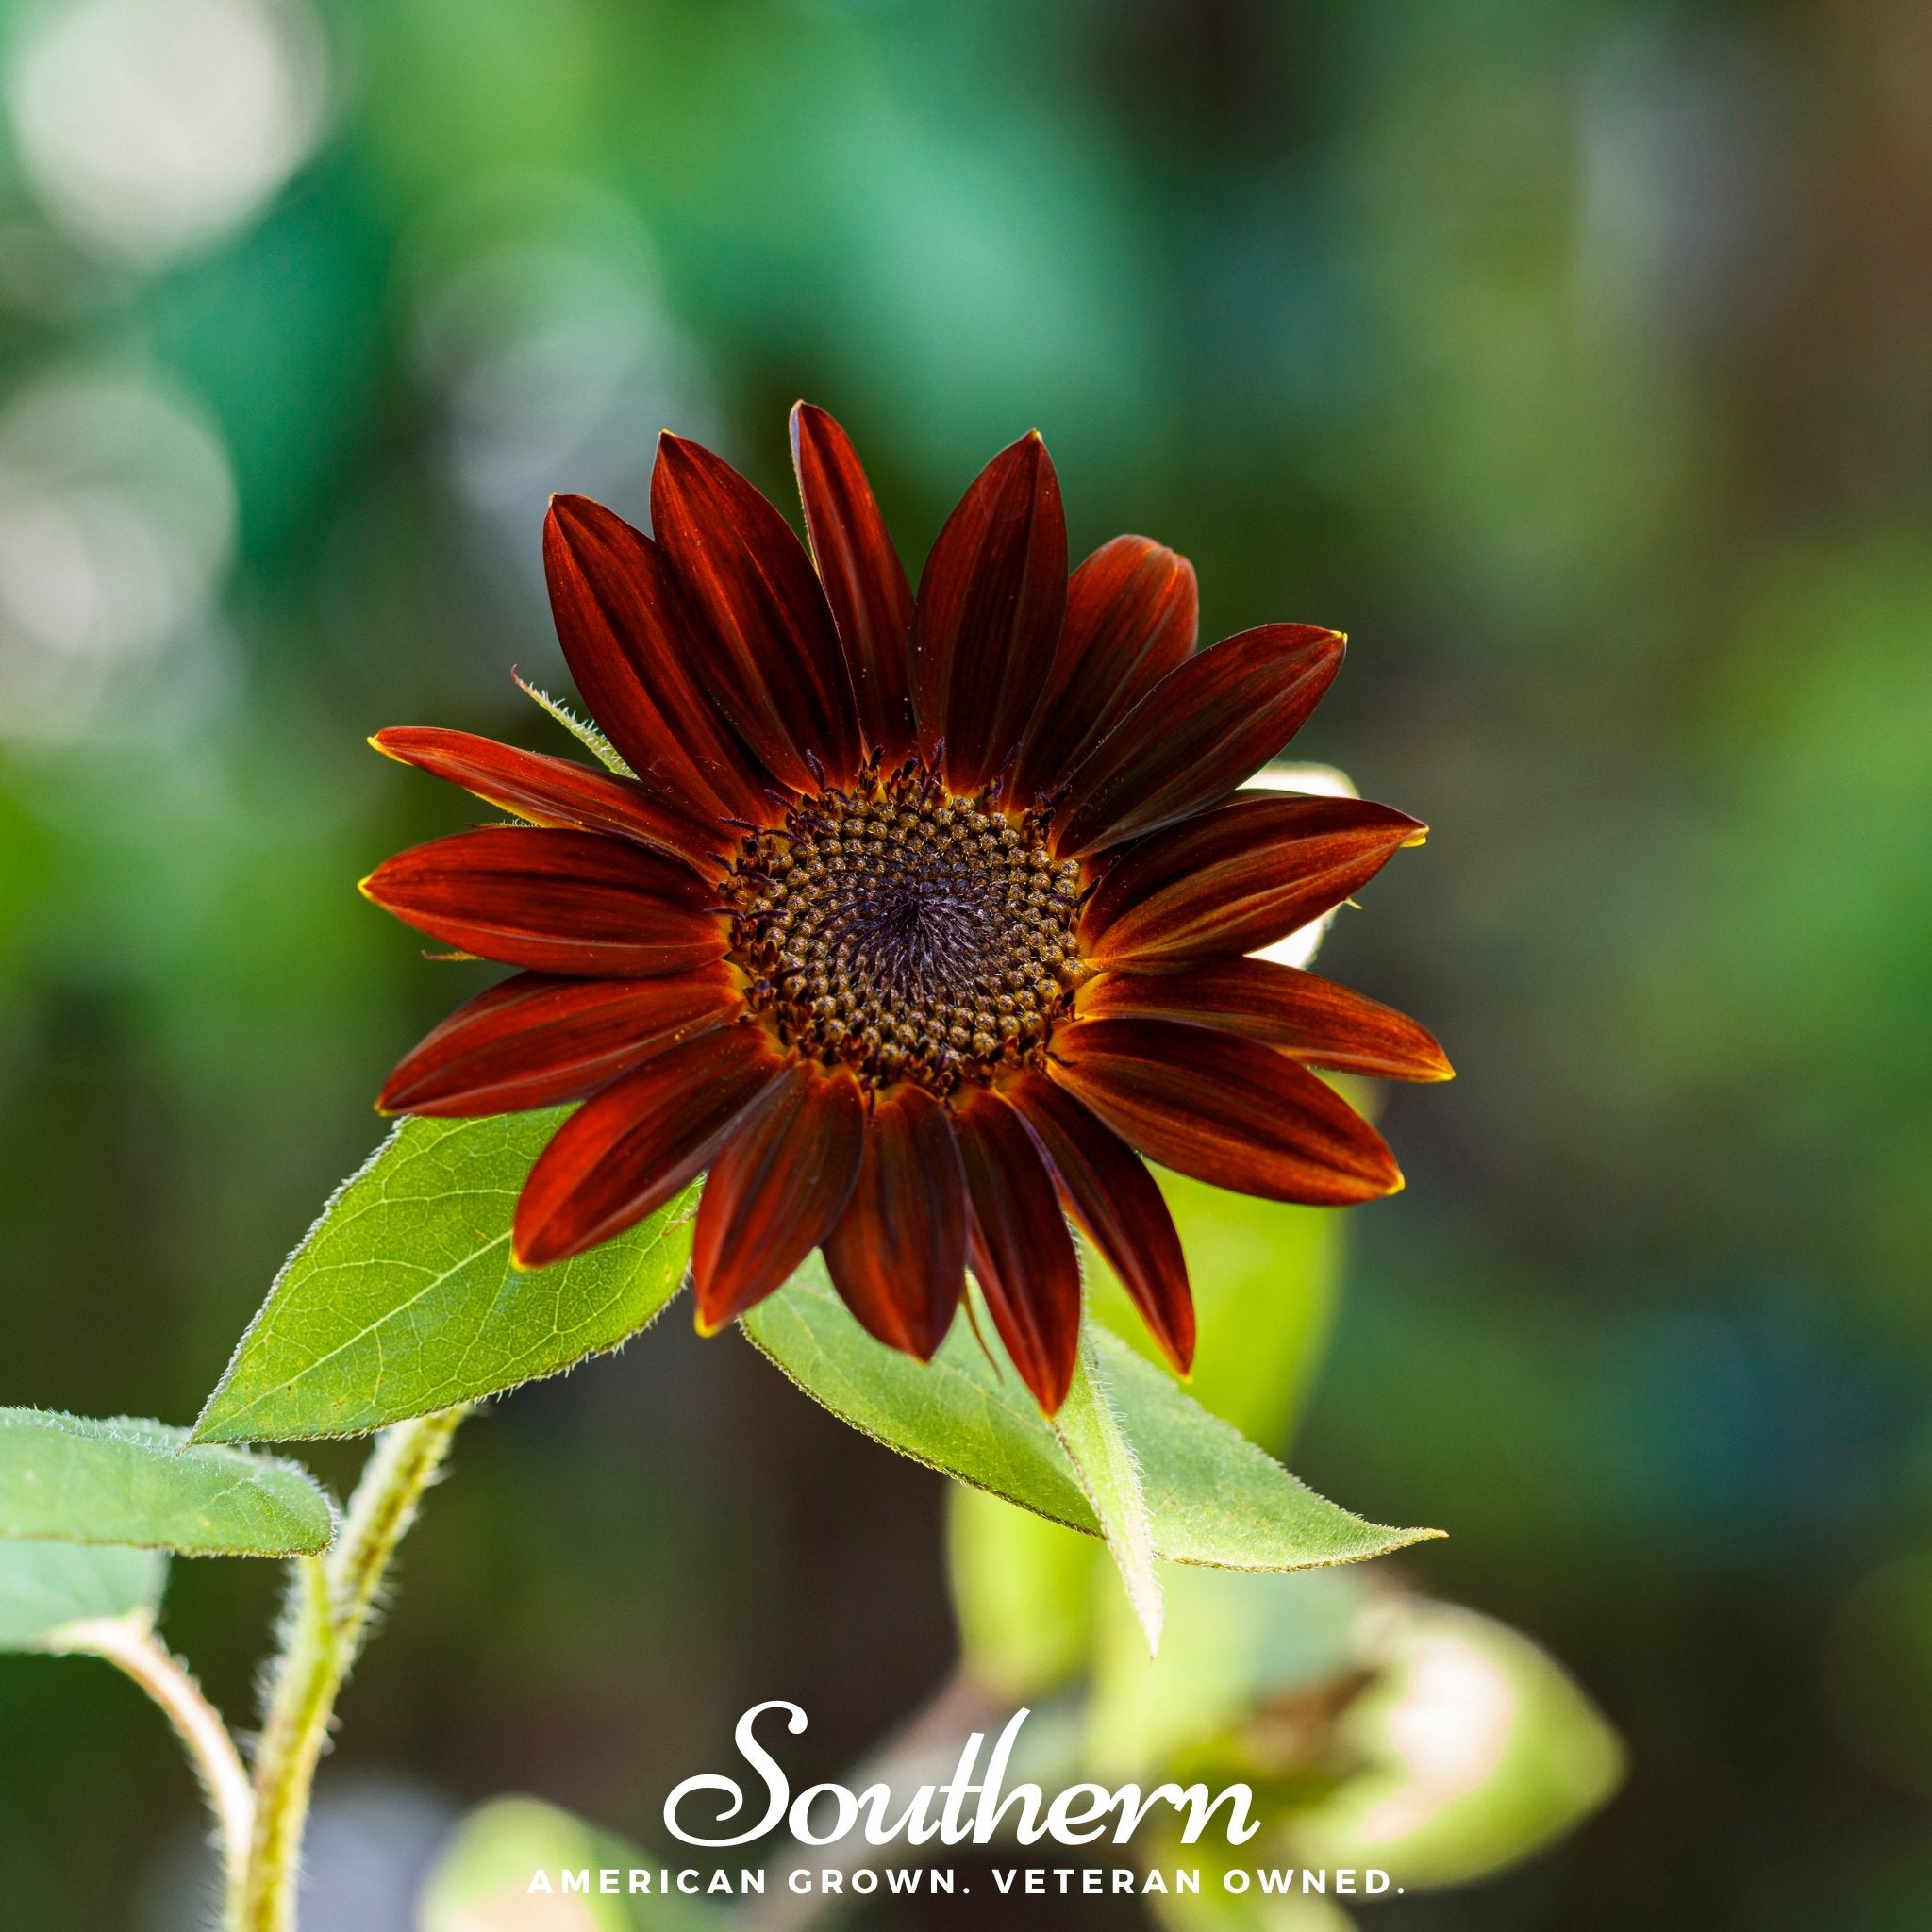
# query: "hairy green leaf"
581,729
47,1586
1090,1433
1212,1497
128,1481
1235,1647
1266,1279
401,1300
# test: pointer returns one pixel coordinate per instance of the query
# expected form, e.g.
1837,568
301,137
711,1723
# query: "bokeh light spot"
152,126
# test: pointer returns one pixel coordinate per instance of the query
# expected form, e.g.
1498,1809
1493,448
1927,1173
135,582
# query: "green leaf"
128,1481
47,1586
1212,1497
1518,1755
401,1300
1266,1279
1236,1648
1090,1433
484,1877
584,732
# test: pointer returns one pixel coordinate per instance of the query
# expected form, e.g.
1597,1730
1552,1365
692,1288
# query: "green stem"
331,1603
132,1646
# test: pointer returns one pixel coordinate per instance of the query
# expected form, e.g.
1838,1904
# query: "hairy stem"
332,1600
133,1647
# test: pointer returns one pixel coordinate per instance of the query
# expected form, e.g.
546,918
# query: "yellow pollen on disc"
906,932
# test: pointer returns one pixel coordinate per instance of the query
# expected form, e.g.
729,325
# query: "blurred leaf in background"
483,1883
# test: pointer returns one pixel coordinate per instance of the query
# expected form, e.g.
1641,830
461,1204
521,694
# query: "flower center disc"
909,933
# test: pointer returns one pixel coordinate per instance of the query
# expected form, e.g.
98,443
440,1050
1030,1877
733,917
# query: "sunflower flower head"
913,923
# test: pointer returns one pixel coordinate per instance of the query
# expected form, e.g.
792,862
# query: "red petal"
535,1040
556,902
898,1252
776,1191
1022,1251
1306,1017
1238,877
1209,724
989,613
1114,1199
635,1142
864,581
553,791
1132,613
1225,1110
626,638
773,660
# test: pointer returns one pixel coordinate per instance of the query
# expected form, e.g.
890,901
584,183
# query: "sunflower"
916,921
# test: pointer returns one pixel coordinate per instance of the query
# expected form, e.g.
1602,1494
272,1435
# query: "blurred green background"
1576,358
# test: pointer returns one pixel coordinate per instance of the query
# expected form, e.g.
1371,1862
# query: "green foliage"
1215,1498
581,729
1234,1645
1376,1729
1211,1496
483,1877
128,1481
47,1586
1102,1459
1479,1750
1265,1277
402,1299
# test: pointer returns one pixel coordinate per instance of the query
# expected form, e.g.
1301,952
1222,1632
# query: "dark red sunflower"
916,921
